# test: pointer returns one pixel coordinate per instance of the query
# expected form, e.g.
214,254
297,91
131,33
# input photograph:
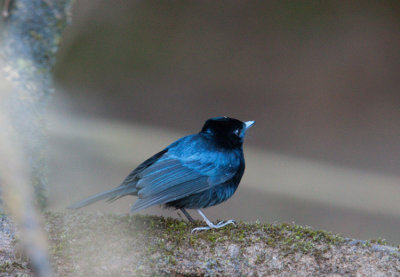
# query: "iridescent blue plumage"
196,171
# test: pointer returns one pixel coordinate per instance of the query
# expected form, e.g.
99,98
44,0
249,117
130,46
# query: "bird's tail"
117,192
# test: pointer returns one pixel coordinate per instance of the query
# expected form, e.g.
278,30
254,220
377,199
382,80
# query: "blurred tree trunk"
30,36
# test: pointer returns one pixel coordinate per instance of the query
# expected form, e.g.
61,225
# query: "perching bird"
194,172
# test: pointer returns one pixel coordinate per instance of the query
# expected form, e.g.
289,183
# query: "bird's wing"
132,178
171,178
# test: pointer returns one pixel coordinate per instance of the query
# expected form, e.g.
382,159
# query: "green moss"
165,241
11,267
36,35
171,259
379,241
367,243
260,258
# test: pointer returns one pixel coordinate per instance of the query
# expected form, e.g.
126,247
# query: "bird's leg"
187,215
210,224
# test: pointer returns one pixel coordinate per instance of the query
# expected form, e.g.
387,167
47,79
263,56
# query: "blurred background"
321,79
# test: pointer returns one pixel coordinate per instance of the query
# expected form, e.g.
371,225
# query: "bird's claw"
200,229
224,223
216,226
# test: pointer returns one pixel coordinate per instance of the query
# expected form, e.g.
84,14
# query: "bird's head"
227,132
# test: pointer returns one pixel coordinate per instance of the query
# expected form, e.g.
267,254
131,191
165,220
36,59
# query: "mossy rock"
98,244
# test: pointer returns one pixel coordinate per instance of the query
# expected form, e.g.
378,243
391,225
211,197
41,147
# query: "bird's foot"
214,226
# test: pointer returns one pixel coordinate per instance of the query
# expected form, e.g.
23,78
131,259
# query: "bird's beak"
249,124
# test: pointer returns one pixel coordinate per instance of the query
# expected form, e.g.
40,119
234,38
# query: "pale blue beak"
248,124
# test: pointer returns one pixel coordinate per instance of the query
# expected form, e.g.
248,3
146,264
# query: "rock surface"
98,244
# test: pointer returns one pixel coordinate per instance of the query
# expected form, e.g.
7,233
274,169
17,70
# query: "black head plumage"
228,132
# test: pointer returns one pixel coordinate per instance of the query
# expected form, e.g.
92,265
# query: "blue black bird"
194,172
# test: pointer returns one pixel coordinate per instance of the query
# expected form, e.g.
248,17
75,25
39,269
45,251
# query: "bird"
195,172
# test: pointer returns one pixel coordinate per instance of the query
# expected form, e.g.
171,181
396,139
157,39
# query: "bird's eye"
237,132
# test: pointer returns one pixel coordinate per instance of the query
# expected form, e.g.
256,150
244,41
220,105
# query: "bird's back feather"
191,165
